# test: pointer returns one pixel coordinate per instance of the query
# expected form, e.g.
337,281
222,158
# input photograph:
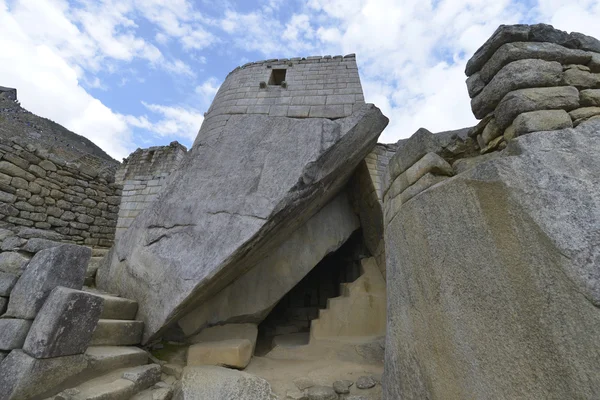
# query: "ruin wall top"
311,87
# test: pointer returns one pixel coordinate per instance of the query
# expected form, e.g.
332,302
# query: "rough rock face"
64,325
13,332
64,265
230,203
502,298
217,383
23,377
254,294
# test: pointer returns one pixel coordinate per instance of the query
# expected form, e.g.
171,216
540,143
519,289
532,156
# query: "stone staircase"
359,311
117,369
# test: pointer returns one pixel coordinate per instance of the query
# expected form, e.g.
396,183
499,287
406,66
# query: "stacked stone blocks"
143,175
39,190
51,332
377,162
47,316
420,162
529,78
367,191
315,87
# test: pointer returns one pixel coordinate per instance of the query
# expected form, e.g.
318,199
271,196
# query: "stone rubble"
366,382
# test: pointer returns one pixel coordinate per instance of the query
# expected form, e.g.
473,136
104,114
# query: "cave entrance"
289,322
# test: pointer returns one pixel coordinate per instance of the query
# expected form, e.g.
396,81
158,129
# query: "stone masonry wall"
367,193
377,162
42,193
529,78
314,87
143,174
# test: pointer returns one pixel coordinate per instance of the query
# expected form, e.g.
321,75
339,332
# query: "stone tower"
311,87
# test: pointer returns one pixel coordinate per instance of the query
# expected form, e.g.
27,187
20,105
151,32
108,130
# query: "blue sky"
138,73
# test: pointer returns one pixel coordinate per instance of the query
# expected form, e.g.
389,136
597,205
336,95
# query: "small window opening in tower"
277,77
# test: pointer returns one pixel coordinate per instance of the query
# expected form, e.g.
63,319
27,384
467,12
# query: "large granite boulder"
13,332
218,383
494,277
7,282
13,263
23,377
250,297
63,265
228,205
65,324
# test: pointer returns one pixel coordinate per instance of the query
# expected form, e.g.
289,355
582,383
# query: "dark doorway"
295,311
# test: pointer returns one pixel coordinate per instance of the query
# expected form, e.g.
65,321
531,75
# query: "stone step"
120,389
155,393
346,315
322,314
115,307
101,362
116,332
333,300
99,252
92,268
108,358
118,384
292,340
118,308
344,289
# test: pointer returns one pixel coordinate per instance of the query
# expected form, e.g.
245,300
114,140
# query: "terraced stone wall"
43,196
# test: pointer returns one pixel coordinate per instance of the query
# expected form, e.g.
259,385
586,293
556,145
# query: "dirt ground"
322,363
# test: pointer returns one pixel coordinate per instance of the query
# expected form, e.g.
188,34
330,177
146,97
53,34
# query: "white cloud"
178,19
208,89
254,31
51,48
298,28
161,38
197,39
176,121
579,16
411,54
49,86
178,67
